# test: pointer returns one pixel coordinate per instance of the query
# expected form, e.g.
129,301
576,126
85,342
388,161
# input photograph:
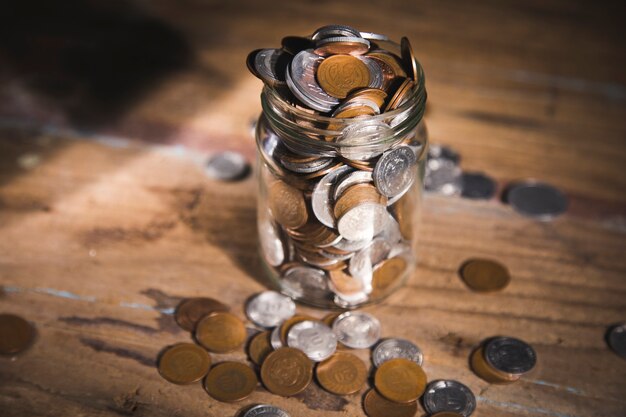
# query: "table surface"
107,220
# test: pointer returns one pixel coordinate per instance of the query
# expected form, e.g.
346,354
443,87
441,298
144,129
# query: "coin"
342,45
270,241
342,374
488,373
184,363
449,396
395,171
260,346
305,282
510,355
443,176
408,58
394,348
269,309
362,222
230,381
485,275
363,140
287,205
350,178
329,319
191,310
538,200
270,66
357,330
477,186
16,334
314,338
221,332
263,410
275,338
287,324
446,414
402,88
340,74
302,82
330,31
617,339
286,372
400,380
376,405
227,166
321,198
345,284
388,273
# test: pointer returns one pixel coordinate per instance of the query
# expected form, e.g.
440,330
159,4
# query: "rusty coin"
286,372
260,346
287,205
16,334
340,74
341,374
400,380
221,332
184,363
484,275
230,381
378,406
191,310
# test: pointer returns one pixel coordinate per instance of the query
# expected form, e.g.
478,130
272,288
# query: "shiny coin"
396,348
387,274
617,339
191,310
342,374
16,334
395,171
537,200
329,319
314,338
230,381
340,74
272,246
330,31
362,222
305,282
342,45
376,405
443,176
321,198
377,77
485,275
357,330
364,140
510,355
450,396
488,373
302,81
410,63
400,380
184,363
221,332
286,372
477,186
263,410
375,36
260,346
269,309
350,178
227,166
402,90
270,66
287,324
275,340
287,205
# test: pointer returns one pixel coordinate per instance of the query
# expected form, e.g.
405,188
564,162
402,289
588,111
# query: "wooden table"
107,219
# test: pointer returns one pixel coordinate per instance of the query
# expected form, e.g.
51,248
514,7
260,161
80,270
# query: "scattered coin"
16,334
184,363
221,332
260,346
227,166
287,324
617,339
400,380
376,405
191,310
286,372
488,373
269,309
538,200
357,330
510,355
263,410
230,381
396,348
484,275
314,338
477,186
449,396
342,374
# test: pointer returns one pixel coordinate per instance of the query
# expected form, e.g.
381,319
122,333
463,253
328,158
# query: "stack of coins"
338,230
503,360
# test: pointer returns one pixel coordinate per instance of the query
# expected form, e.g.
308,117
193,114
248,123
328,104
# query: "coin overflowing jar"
341,147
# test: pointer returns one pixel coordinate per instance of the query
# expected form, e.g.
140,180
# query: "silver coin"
510,355
350,300
320,43
302,73
321,199
329,31
377,79
357,330
477,186
275,340
348,180
538,200
315,261
308,167
272,245
314,338
364,139
362,263
443,176
356,102
351,245
396,348
270,65
269,309
306,282
449,395
395,171
227,166
375,36
362,222
617,339
391,233
443,152
263,410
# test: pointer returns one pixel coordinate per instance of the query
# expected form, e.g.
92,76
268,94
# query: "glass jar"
339,199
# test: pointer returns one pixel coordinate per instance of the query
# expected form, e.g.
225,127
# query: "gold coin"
488,373
340,74
408,59
484,275
287,205
221,332
259,347
287,324
345,283
405,211
184,363
341,374
286,372
387,273
16,334
376,405
191,310
400,380
230,381
375,95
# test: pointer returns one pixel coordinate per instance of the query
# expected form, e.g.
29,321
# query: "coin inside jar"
260,346
340,74
230,381
221,332
184,363
387,273
191,310
376,405
485,275
16,334
286,372
342,374
400,380
287,205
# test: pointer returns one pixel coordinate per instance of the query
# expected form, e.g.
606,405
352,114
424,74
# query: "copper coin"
402,88
230,381
191,310
400,380
488,373
221,332
376,405
345,283
484,275
408,59
184,363
342,374
340,74
287,324
260,346
387,273
286,372
16,334
287,205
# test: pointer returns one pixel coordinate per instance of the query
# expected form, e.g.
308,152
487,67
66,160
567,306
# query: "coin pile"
16,334
503,360
339,224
